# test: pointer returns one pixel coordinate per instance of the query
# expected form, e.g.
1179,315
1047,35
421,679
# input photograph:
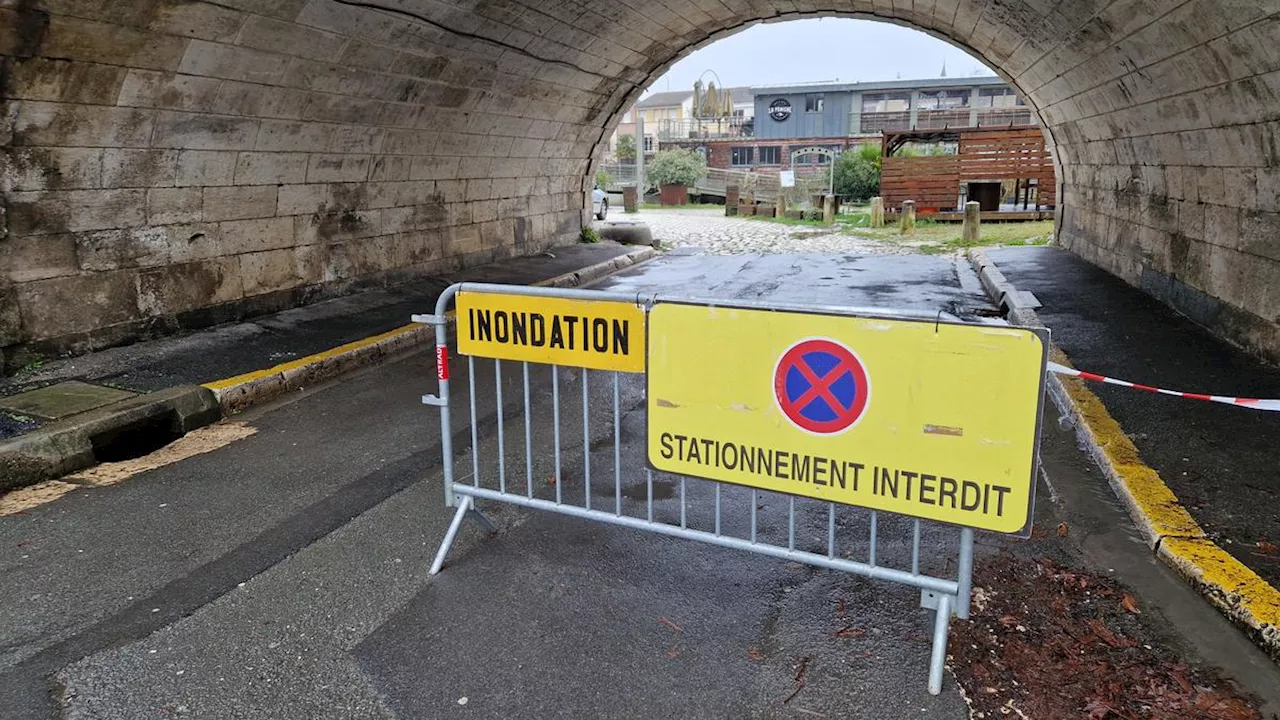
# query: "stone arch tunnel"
171,164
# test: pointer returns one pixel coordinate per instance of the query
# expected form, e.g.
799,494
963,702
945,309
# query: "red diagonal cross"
820,386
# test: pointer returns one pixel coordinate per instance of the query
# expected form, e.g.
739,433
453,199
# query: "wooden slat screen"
984,155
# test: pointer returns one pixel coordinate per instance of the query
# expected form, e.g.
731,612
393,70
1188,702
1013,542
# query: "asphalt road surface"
284,575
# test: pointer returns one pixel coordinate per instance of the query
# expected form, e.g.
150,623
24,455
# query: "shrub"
589,235
626,149
675,167
857,174
603,179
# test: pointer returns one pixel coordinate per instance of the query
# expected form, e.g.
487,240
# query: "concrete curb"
1169,530
68,445
238,393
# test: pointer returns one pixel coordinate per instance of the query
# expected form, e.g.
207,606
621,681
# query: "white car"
599,203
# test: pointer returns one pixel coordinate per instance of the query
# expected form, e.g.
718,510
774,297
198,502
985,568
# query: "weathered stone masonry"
173,163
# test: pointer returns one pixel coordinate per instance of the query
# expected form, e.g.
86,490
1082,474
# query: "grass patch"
785,221
934,238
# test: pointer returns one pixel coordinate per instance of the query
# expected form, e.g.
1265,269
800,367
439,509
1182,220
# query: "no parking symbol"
821,386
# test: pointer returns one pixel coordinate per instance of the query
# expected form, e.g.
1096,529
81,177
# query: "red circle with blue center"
821,386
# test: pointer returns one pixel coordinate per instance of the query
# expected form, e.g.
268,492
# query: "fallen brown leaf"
551,480
840,607
670,624
849,631
1062,529
754,654
1105,634
673,654
1130,604
800,670
1268,548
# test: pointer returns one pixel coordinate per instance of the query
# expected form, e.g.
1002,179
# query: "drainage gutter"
74,443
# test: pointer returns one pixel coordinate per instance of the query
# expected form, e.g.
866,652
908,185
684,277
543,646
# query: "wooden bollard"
972,222
877,212
908,222
828,209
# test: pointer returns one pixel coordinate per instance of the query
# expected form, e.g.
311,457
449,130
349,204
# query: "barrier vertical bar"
754,502
872,559
915,548
502,453
649,484
683,519
831,530
617,447
475,442
442,377
791,522
555,420
964,578
528,436
586,443
717,509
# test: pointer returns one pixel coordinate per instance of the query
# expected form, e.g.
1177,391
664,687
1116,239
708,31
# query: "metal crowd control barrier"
516,485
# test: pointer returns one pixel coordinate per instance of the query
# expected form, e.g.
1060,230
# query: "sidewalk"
193,379
1218,460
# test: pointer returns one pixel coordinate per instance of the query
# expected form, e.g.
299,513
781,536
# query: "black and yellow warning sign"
595,334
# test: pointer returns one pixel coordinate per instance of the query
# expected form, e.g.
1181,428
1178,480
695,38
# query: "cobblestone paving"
712,233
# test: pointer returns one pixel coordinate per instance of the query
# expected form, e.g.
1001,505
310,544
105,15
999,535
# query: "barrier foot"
479,518
464,505
941,623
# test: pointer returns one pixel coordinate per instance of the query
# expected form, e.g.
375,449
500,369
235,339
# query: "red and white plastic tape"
1253,403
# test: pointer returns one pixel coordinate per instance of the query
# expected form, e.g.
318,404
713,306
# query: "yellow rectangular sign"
596,334
931,420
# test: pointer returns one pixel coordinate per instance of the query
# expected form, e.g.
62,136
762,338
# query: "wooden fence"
984,154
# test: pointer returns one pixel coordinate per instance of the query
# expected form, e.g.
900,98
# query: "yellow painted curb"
300,363
1232,587
236,393
1151,503
1228,584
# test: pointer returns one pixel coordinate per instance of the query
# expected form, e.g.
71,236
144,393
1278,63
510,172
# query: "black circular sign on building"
780,109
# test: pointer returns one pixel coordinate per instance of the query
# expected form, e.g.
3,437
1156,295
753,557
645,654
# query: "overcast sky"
818,51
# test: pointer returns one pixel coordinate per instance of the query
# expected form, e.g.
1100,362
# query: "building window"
885,102
1004,97
648,143
770,155
944,100
813,103
741,155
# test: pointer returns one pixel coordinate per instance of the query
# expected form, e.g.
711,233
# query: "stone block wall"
171,163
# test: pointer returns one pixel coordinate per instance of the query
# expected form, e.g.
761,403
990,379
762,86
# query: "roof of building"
665,99
922,84
741,94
